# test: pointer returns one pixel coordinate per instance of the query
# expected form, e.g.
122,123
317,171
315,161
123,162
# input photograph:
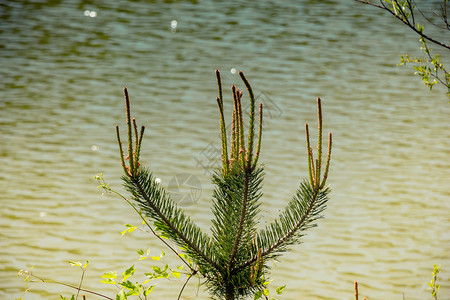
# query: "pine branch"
251,129
154,201
258,149
130,133
247,164
327,165
241,222
306,206
223,131
168,218
298,216
236,196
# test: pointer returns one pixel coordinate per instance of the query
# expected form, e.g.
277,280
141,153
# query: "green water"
62,75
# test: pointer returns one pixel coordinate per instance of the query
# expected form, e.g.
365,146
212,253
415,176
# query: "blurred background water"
63,67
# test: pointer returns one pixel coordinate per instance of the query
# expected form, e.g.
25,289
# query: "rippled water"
62,75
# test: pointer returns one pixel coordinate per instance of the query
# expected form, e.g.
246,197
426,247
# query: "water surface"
63,72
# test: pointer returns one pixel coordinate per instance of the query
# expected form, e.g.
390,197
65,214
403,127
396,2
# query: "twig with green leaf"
433,286
430,68
29,276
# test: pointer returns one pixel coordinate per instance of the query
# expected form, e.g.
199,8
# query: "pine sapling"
233,258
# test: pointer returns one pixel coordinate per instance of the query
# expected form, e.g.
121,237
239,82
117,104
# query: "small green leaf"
75,263
176,274
108,281
111,274
258,295
148,280
148,290
128,284
156,257
140,252
121,295
266,292
128,272
280,289
130,229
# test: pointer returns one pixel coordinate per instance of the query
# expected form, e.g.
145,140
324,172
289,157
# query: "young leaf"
280,289
108,281
258,295
111,275
75,263
130,228
148,290
121,295
128,284
128,272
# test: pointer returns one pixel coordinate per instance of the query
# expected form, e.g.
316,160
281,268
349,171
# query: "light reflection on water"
62,74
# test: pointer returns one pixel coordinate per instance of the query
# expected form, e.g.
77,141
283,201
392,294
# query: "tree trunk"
229,293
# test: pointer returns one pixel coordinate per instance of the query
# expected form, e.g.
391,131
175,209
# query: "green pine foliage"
233,258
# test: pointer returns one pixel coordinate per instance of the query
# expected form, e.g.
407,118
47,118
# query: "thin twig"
68,285
81,281
104,186
184,285
406,22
